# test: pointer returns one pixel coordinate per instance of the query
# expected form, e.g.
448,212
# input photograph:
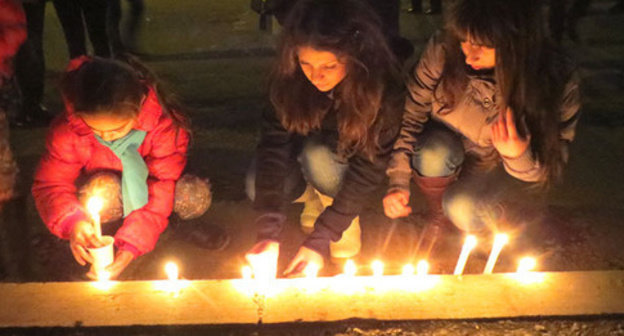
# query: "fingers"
295,269
395,205
122,261
510,124
80,254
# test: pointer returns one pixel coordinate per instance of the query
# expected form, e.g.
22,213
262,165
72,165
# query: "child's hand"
83,237
263,258
304,257
396,204
505,137
122,260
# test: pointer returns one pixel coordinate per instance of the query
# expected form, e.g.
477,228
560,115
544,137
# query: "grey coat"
471,117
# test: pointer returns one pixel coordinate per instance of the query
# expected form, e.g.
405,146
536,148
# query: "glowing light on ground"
173,284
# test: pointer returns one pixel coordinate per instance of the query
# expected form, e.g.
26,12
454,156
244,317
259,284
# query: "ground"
213,55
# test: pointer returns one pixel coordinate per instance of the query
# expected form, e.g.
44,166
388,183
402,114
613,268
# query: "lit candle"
422,268
408,270
378,268
526,264
500,240
171,269
94,206
349,268
469,244
247,272
311,270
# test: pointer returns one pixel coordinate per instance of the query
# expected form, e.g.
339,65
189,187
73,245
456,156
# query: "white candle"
469,244
349,268
526,264
311,270
94,206
378,268
422,268
172,271
500,240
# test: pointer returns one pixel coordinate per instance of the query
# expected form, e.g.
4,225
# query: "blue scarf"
134,170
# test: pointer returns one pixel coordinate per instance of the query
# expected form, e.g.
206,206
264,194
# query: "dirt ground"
217,60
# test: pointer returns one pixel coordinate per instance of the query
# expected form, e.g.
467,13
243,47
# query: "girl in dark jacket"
489,89
336,95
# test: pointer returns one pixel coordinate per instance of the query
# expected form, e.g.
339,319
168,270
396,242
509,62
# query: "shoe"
206,236
312,208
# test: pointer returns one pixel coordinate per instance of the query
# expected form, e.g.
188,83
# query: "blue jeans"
318,165
478,198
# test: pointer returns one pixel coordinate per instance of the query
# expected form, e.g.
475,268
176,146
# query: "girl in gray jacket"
490,97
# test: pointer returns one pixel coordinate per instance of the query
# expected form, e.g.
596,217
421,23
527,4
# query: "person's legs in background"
70,16
95,13
30,68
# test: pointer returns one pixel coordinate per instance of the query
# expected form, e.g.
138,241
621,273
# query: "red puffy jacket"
72,150
12,33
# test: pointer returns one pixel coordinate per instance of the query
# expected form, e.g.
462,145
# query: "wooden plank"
321,299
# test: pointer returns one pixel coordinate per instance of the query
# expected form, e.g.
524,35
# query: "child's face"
322,68
109,127
477,56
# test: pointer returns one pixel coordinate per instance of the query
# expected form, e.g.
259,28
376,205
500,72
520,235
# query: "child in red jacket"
115,121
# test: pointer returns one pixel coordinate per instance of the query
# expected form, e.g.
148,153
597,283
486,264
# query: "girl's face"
109,127
323,69
477,56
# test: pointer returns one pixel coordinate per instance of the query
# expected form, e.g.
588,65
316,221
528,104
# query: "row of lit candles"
260,267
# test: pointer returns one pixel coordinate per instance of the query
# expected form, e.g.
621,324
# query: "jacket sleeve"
361,180
54,188
526,167
421,83
274,156
165,161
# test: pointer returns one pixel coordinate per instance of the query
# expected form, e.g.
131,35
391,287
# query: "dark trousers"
30,63
436,6
73,15
134,21
560,17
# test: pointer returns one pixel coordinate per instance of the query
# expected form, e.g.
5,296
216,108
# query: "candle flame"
408,270
526,264
247,272
172,271
378,267
349,268
422,268
95,205
501,239
311,270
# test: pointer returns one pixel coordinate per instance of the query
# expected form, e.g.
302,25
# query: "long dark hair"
530,72
349,29
116,86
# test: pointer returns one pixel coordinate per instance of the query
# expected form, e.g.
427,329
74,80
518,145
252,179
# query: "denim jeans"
317,165
478,199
